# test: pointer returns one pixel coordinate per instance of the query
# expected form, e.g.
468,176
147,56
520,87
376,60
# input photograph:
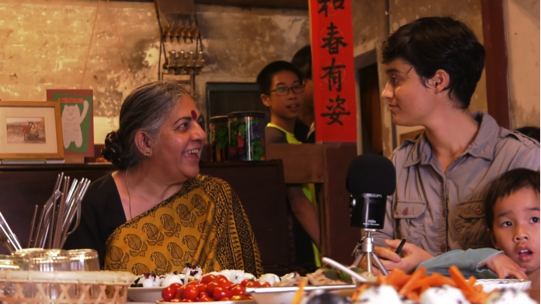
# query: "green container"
246,136
219,138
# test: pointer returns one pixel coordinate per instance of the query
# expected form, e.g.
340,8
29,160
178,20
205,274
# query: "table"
534,294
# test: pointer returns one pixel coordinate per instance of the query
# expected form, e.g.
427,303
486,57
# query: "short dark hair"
145,109
302,60
530,131
507,184
264,78
433,43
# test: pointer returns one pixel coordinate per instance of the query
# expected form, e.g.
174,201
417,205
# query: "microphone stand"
365,247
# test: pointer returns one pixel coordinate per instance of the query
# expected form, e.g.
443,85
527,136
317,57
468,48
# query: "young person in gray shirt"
433,65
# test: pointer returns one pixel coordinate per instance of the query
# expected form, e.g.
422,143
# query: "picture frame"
77,115
30,130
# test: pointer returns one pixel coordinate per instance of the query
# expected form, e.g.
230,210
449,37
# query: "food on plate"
188,273
443,295
324,297
147,280
381,294
418,287
211,288
225,285
509,296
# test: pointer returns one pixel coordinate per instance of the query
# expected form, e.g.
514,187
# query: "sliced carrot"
382,280
406,288
472,280
397,278
434,280
358,292
414,296
469,292
299,294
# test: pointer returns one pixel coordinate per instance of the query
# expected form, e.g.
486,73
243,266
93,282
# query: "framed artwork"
30,130
77,117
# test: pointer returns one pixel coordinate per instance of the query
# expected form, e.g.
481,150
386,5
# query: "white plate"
491,284
142,294
284,295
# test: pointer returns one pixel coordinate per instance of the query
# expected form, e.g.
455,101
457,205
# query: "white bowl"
143,294
491,284
284,295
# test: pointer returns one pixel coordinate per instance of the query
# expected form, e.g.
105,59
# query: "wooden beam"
496,61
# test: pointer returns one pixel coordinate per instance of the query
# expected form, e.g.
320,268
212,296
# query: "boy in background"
512,217
281,87
305,129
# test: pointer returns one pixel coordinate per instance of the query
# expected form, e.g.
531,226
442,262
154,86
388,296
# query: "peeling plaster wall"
110,48
522,35
370,26
238,43
113,47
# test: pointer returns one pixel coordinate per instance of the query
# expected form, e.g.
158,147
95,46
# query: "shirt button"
443,248
405,212
479,211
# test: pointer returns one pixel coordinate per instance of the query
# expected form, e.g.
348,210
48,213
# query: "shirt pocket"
470,225
409,216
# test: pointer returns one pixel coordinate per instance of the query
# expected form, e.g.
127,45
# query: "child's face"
516,227
284,106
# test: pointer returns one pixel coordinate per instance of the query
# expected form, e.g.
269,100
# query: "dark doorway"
370,110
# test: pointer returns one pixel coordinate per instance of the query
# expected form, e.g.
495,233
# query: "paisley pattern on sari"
203,224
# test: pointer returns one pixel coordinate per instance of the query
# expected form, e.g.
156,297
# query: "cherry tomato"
220,276
225,283
203,294
266,284
194,283
220,292
168,294
208,278
226,299
175,286
240,297
204,299
238,290
191,292
245,281
180,290
202,287
253,284
211,286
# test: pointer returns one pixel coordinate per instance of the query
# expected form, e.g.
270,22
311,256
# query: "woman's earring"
147,154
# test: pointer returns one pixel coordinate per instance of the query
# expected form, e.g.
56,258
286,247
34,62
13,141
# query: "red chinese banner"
333,71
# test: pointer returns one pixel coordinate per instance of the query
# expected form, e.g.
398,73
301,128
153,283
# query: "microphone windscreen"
370,173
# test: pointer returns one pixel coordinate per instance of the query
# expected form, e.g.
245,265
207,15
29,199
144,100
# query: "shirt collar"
481,147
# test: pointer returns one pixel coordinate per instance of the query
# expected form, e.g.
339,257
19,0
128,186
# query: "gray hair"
145,109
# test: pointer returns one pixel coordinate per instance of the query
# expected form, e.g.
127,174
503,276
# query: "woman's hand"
504,266
412,256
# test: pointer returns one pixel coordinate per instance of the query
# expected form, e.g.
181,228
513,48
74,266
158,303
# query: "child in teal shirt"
512,217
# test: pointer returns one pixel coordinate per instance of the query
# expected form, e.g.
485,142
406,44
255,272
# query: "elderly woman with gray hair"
156,213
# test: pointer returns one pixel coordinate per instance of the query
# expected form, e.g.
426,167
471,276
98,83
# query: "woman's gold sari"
203,224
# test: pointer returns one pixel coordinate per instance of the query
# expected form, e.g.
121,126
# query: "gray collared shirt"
440,211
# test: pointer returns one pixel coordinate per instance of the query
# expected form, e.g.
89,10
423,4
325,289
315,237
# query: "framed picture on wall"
30,130
77,115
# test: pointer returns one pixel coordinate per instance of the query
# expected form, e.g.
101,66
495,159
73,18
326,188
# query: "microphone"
370,179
